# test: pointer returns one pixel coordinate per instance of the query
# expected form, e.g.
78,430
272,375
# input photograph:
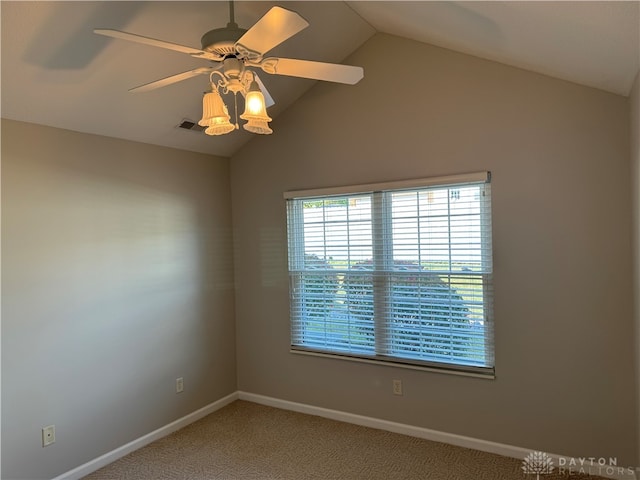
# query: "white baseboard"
620,473
404,429
161,432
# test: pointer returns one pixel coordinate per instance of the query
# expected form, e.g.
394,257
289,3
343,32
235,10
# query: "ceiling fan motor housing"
222,40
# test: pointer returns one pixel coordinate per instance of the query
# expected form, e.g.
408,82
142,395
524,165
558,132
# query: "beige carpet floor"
245,440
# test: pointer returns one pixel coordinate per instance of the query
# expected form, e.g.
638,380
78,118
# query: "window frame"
378,193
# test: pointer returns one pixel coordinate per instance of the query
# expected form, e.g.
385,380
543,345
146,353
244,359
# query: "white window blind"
400,275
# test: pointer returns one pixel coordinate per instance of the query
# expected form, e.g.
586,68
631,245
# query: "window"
398,272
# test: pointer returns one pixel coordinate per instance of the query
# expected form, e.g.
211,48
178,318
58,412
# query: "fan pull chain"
235,100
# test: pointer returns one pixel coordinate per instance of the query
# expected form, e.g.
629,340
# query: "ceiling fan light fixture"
236,50
215,115
255,111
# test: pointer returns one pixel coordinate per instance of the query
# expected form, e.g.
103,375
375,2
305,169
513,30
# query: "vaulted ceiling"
56,71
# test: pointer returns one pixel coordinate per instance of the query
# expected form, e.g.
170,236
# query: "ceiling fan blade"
268,100
194,52
163,82
330,72
276,26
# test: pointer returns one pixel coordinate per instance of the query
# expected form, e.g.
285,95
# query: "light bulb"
255,104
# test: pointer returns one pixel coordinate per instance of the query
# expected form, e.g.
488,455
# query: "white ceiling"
591,43
56,72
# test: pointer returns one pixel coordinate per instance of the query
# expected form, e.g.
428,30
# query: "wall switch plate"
48,435
179,385
397,387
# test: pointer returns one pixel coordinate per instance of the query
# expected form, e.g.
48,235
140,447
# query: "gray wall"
559,154
117,278
634,104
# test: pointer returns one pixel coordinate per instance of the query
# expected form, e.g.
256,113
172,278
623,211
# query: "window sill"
460,371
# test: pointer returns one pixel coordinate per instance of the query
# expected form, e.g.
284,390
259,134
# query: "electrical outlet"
397,387
179,385
48,435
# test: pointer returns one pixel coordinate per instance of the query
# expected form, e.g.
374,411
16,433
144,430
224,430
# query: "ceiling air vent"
190,125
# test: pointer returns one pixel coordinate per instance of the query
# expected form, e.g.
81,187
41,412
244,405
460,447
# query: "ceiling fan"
235,53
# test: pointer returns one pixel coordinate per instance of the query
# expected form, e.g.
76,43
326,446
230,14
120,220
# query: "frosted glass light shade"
215,115
255,111
258,126
220,127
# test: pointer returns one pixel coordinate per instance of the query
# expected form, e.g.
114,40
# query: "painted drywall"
117,278
559,157
634,124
